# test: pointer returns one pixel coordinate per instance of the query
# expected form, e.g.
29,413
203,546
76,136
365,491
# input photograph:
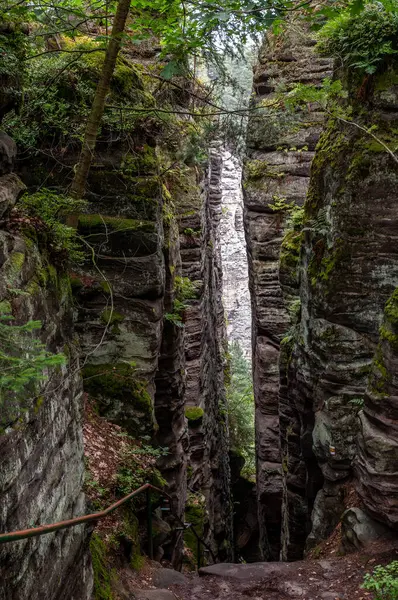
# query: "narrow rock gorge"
229,272
280,149
320,279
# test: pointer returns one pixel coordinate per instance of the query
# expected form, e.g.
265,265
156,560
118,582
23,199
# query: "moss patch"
109,317
117,382
5,308
290,249
194,414
95,223
103,574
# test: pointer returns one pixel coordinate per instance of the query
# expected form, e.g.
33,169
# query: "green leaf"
357,6
172,68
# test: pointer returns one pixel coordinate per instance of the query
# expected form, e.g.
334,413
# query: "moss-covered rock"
121,395
104,575
194,414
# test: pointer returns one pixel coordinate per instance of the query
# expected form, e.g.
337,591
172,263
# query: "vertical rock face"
279,150
236,296
376,464
205,360
41,441
348,269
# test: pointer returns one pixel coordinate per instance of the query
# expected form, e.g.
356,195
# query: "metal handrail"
43,529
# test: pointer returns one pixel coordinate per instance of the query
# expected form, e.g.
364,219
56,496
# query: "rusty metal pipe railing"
14,536
43,529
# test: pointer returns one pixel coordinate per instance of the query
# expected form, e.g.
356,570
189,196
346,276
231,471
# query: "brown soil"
338,578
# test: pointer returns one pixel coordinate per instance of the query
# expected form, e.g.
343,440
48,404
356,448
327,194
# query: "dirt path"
337,578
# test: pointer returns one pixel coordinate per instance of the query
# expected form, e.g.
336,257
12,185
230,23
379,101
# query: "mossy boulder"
121,396
194,414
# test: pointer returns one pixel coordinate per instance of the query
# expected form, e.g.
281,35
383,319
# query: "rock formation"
333,276
205,358
236,296
148,313
42,469
280,149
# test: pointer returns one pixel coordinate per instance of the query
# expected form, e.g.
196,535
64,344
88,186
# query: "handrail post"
198,551
149,523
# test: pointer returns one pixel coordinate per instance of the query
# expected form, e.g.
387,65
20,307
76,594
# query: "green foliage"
195,513
24,364
301,94
104,575
174,318
240,402
150,451
51,209
185,289
295,213
362,41
294,310
109,317
130,478
60,88
194,414
383,581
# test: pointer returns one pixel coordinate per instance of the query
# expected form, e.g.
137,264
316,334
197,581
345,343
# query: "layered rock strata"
280,149
41,441
236,296
205,358
348,269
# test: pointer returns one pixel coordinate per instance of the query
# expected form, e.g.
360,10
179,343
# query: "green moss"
290,249
256,170
139,162
17,260
105,286
75,283
194,414
130,529
33,288
389,329
5,308
109,316
117,382
195,513
322,267
330,151
391,309
92,223
384,81
104,575
380,376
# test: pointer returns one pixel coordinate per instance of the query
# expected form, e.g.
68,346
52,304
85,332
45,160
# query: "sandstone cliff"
42,468
280,148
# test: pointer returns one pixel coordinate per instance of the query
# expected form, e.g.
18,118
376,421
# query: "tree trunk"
97,109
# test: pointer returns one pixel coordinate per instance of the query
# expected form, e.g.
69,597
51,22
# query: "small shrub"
24,362
383,581
361,41
185,288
